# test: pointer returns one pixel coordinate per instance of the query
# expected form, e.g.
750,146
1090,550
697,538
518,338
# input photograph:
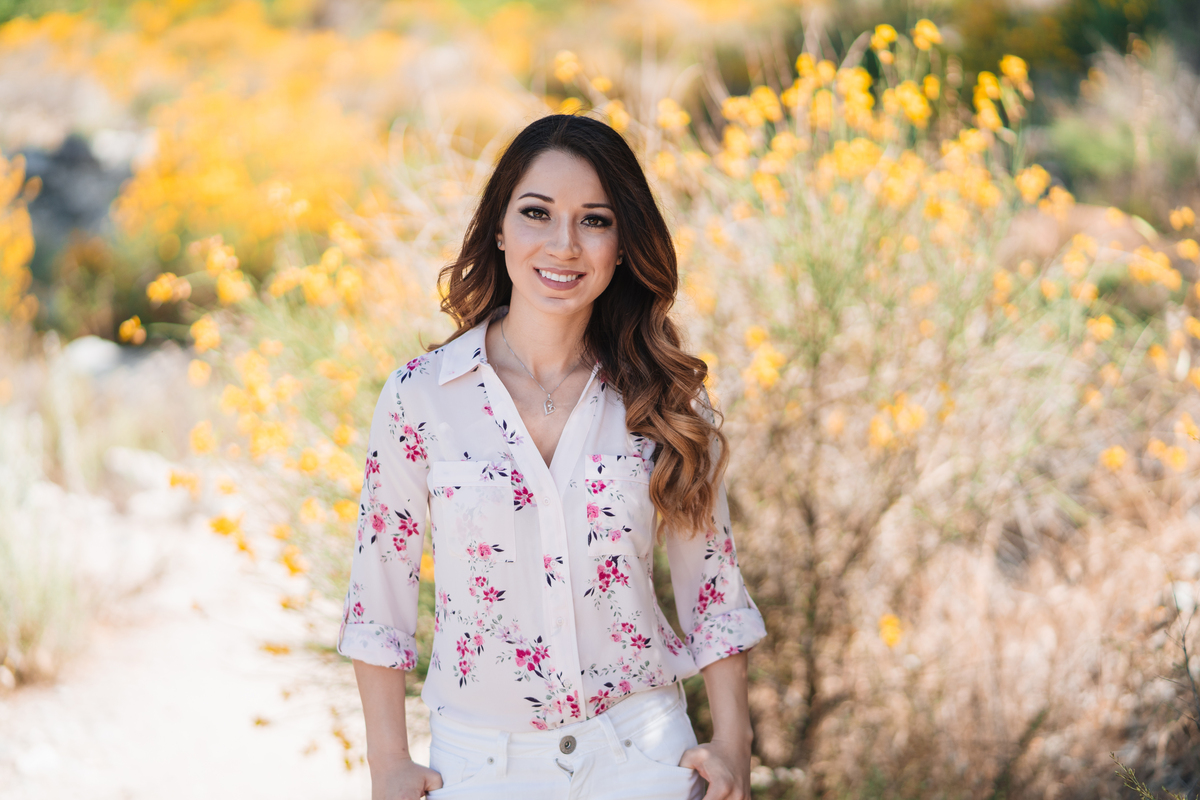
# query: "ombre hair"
630,331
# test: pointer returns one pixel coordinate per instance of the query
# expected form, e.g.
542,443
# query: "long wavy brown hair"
630,331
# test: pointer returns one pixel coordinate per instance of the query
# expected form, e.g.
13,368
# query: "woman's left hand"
726,767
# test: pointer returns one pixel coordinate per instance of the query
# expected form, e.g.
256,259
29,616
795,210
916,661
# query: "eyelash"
604,223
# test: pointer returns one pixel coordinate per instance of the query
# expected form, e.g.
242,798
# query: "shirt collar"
466,352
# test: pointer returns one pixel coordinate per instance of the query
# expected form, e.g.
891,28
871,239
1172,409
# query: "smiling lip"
559,285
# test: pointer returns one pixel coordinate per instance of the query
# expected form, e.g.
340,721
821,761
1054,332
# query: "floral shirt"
545,613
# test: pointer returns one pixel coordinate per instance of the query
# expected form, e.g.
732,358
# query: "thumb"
693,758
433,780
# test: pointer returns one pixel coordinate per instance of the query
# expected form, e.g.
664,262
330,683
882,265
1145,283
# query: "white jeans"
629,752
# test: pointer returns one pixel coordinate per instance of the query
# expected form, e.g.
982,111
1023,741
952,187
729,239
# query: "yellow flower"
932,87
618,117
267,438
1158,356
885,34
220,259
308,460
1113,457
1176,458
1182,217
187,480
1050,289
343,435
1031,182
764,367
1193,326
205,333
671,116
346,510
281,531
1092,397
1002,284
1110,374
601,84
1085,293
566,66
755,335
924,294
1193,377
1186,426
294,560
1188,249
162,289
312,511
1156,448
880,432
1101,328
131,330
569,106
890,630
426,567
927,328
1015,69
225,525
270,347
198,372
201,438
926,34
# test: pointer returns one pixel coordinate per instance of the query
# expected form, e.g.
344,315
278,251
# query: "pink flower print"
600,699
639,642
462,645
372,466
449,492
573,702
525,659
522,497
517,477
624,687
616,636
626,667
537,723
708,595
408,526
358,610
481,580
485,550
595,458
727,546
400,543
593,511
615,534
490,594
627,627
487,409
547,561
377,523
477,640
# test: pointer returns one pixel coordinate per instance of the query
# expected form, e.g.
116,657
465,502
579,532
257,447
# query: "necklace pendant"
549,406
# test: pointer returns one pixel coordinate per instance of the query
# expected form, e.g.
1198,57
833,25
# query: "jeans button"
567,744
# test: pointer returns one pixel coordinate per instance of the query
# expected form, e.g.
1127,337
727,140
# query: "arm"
380,615
394,775
725,761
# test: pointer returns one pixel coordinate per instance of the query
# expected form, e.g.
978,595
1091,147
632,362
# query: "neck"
550,345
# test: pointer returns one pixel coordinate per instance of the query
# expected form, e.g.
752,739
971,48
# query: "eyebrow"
551,200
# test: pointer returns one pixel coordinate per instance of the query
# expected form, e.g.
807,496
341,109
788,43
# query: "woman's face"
559,235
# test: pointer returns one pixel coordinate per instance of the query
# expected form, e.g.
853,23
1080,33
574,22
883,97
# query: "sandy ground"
174,694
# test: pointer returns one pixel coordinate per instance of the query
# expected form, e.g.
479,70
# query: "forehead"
562,176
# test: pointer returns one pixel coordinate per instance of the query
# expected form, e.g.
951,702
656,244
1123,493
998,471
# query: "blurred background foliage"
939,256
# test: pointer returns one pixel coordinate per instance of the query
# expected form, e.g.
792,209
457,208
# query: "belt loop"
682,694
502,754
614,742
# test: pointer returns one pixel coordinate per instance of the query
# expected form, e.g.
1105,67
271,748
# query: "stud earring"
619,259
500,244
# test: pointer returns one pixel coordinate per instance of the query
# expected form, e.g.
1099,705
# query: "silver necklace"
549,404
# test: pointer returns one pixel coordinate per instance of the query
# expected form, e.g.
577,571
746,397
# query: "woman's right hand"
403,779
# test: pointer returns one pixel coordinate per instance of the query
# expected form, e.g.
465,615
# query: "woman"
543,438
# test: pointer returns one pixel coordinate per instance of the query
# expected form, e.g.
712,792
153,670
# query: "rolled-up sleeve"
380,615
717,614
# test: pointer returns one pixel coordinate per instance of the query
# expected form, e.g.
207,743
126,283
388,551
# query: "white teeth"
559,278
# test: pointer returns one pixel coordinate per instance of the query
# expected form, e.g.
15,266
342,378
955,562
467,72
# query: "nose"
561,242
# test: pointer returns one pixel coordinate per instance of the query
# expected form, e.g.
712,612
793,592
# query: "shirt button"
558,622
547,500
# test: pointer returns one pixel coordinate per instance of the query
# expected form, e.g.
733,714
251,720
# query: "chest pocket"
620,514
471,509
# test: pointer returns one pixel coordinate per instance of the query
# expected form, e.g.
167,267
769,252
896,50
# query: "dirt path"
176,697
